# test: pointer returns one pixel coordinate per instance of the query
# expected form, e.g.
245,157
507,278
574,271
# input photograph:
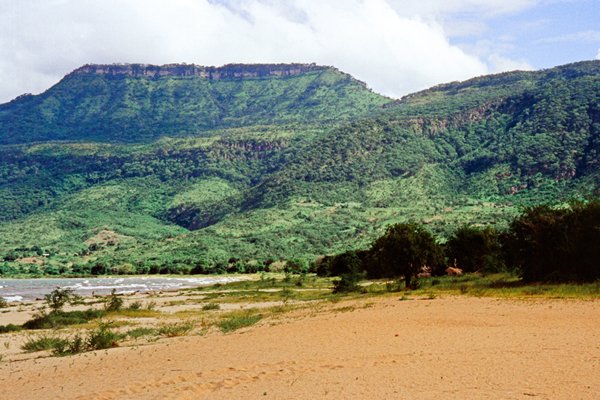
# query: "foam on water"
12,299
105,287
15,290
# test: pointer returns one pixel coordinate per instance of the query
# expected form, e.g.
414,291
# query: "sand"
383,348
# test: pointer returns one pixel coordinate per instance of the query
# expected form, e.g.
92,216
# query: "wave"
29,289
11,299
106,287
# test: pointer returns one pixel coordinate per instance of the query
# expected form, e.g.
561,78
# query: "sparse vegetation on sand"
237,320
222,308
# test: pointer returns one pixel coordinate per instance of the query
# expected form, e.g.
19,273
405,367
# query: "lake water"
17,290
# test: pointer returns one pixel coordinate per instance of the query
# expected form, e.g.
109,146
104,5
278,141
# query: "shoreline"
373,347
42,286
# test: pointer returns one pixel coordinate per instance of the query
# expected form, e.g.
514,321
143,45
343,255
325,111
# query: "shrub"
3,302
556,244
296,266
72,346
102,338
210,306
177,329
136,305
341,263
139,332
59,319
10,328
349,282
58,298
43,342
113,302
238,320
474,249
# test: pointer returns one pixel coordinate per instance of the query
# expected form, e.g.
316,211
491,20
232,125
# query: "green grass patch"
138,313
10,328
211,306
137,333
237,320
100,338
176,329
60,319
497,285
43,342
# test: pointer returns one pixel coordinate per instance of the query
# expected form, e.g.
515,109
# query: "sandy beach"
384,348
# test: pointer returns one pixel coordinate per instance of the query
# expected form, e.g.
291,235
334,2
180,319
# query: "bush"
139,332
349,282
72,346
341,263
113,302
59,319
474,249
177,329
238,320
134,306
10,328
43,342
102,338
210,306
58,298
549,244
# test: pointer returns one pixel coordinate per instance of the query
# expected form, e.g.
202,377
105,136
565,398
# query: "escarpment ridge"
229,71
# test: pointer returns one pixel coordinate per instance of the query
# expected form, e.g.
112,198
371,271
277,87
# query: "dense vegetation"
120,173
125,106
543,244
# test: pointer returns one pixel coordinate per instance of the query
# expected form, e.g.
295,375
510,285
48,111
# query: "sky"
395,46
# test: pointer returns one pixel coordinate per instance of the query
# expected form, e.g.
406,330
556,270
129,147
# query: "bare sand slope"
451,348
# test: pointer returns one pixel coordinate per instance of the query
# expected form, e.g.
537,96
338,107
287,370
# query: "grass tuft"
237,320
176,329
211,306
43,342
137,333
10,328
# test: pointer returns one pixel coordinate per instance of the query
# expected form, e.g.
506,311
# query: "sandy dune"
451,348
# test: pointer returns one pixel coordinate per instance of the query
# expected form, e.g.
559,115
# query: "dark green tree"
549,244
475,249
403,251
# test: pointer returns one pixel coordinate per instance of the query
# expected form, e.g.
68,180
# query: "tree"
475,249
339,264
535,241
549,244
403,251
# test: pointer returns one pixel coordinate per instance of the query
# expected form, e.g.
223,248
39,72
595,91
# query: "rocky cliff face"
230,71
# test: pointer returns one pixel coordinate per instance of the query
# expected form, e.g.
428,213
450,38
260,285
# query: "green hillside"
302,160
133,103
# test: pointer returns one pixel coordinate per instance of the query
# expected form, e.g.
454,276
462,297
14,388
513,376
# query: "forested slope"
264,162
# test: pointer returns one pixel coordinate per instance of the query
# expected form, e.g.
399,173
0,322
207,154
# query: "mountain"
165,169
135,102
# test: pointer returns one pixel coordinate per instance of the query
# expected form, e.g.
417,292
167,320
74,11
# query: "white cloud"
598,55
395,46
498,63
